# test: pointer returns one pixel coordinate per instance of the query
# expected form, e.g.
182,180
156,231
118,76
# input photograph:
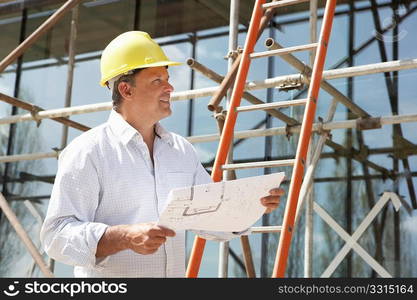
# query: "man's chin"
166,114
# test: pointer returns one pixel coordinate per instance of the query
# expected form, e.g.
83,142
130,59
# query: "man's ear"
125,90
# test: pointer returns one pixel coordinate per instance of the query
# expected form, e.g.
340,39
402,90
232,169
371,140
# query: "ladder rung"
265,229
281,3
260,164
272,105
284,51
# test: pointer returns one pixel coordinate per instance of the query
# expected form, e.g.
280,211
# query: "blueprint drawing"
222,206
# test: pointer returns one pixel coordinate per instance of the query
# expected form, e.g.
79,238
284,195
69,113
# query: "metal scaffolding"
357,119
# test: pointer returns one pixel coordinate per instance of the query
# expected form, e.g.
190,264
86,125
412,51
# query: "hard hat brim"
143,66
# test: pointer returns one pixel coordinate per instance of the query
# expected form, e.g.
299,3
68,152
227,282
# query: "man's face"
150,95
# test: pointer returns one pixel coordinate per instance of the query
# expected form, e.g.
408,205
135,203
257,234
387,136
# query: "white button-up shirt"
106,177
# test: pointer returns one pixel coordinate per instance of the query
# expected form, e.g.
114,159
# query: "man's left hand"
271,202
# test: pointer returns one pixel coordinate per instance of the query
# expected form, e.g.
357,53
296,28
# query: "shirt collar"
125,132
164,134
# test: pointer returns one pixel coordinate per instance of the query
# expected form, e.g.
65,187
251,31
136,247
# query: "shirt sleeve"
69,233
202,177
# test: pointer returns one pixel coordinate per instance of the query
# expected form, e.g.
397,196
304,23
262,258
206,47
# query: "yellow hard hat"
131,50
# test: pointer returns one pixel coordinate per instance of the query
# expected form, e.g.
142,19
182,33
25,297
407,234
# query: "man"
113,180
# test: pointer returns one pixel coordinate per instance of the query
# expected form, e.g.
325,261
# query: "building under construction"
324,91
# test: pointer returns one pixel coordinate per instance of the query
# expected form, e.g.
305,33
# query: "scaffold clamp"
58,151
34,112
368,123
291,84
322,131
288,132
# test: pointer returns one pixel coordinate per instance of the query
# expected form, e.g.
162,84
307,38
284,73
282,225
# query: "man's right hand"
146,238
143,238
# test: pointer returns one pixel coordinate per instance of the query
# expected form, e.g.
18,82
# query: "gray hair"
128,78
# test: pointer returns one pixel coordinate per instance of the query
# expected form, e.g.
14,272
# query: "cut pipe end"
211,107
190,62
269,42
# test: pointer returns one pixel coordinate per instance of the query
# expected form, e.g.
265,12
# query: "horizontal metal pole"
282,3
259,164
31,156
209,91
56,113
36,109
328,75
278,104
360,177
284,51
389,120
396,65
265,229
30,198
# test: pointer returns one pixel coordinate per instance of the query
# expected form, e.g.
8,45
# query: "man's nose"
169,88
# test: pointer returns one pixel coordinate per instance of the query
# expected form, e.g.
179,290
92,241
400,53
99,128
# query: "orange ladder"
306,126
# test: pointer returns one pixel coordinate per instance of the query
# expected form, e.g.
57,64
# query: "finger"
167,232
269,210
272,206
270,199
162,231
149,251
155,241
151,246
277,192
270,203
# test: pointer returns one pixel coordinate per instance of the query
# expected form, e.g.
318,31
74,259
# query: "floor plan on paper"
222,206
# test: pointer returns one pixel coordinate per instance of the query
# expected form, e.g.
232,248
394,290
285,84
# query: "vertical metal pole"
233,39
392,87
12,128
247,255
397,130
267,156
361,144
349,140
308,234
193,39
71,63
313,28
136,18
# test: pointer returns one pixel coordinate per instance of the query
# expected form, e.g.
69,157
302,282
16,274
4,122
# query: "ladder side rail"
305,134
